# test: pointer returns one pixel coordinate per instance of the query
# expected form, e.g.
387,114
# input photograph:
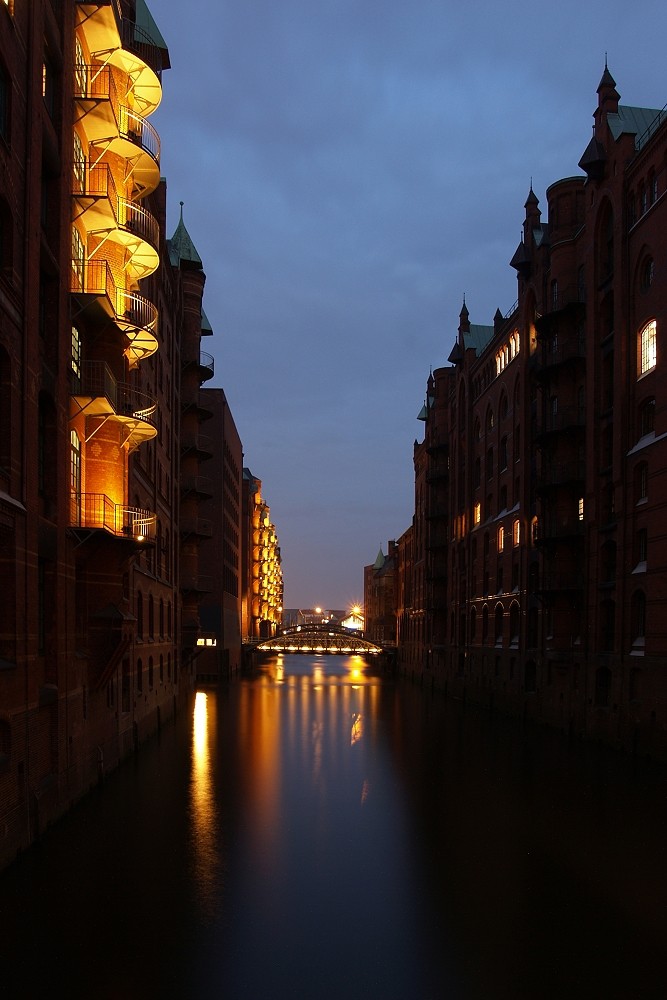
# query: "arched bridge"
320,638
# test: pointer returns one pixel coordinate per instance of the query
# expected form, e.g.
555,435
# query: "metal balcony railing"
130,309
96,83
137,41
98,511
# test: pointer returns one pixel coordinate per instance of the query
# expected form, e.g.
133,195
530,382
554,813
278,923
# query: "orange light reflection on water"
203,810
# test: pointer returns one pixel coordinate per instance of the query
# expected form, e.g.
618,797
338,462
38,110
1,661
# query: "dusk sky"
350,169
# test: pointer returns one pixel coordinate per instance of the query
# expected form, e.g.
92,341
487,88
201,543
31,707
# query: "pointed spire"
181,244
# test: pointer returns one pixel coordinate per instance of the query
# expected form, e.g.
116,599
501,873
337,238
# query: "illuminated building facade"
262,600
541,479
100,327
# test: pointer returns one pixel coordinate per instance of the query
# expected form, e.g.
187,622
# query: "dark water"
319,832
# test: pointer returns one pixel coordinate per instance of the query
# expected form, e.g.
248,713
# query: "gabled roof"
379,561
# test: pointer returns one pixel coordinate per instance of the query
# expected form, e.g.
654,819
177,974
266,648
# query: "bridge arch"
319,638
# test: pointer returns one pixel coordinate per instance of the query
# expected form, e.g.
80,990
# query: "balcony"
437,473
97,512
199,443
559,529
564,419
98,395
125,44
201,486
114,219
572,297
94,288
112,126
555,581
567,349
553,475
196,583
199,527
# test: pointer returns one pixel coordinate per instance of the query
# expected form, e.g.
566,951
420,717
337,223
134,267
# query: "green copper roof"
144,19
181,246
478,337
632,121
379,561
206,328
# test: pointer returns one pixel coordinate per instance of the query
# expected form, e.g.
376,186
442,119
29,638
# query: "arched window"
161,618
501,538
516,532
515,622
140,615
647,348
140,675
499,624
151,617
150,673
489,420
485,623
473,624
647,273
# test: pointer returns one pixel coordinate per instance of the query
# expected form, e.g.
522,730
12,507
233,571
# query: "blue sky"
349,171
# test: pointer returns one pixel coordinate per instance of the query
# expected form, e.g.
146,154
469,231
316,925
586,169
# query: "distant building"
262,581
534,572
380,610
222,509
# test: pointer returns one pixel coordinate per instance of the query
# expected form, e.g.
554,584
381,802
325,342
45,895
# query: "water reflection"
205,848
324,833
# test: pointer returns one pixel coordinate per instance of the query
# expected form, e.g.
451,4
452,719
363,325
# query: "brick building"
100,368
536,577
380,596
221,560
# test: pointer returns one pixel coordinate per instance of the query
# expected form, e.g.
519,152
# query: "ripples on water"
318,832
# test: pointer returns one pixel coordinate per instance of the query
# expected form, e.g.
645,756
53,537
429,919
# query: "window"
580,508
75,360
503,453
647,273
75,473
516,532
79,165
638,617
642,547
489,463
641,481
647,348
77,261
477,513
140,615
501,538
647,417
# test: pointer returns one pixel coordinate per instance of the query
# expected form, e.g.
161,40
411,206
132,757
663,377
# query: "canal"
319,832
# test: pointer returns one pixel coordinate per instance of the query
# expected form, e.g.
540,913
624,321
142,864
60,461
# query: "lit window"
580,508
501,538
76,352
647,348
516,532
477,513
